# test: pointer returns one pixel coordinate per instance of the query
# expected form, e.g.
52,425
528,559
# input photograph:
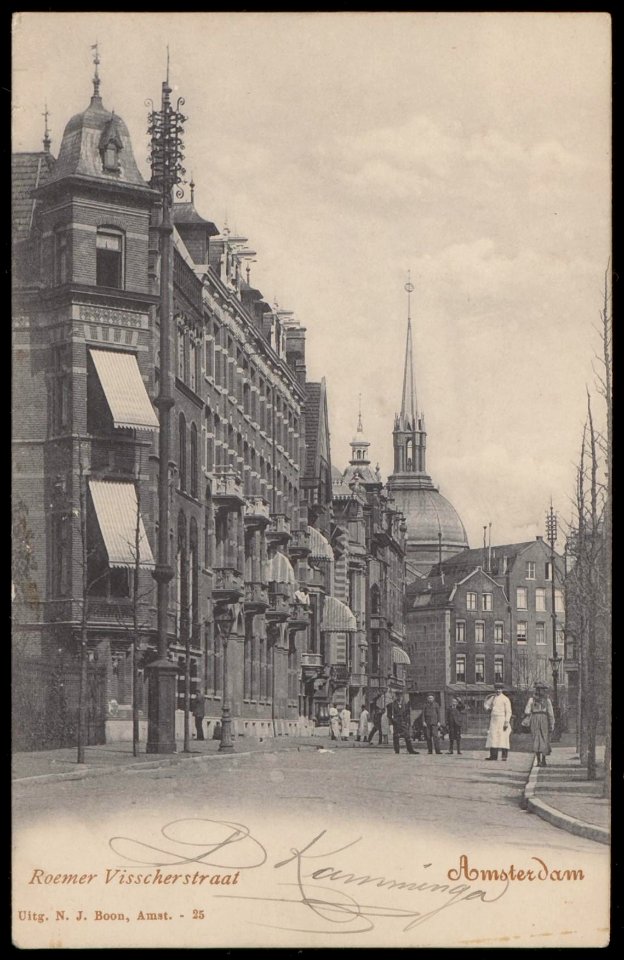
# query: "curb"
557,818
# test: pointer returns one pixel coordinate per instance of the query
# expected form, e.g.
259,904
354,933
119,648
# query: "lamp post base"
226,745
161,707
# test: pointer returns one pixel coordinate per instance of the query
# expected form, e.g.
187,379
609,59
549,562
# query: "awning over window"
320,548
399,655
279,570
124,389
116,510
337,617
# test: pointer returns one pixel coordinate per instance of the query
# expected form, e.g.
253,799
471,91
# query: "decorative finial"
192,188
409,287
360,428
96,76
46,134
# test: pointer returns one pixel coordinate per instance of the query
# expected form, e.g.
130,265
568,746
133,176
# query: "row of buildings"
306,563
335,586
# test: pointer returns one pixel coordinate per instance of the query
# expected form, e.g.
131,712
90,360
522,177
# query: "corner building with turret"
249,519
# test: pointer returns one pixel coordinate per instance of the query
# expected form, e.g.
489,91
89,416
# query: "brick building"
249,504
458,639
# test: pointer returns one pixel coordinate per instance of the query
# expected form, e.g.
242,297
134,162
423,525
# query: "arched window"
109,257
182,450
375,599
208,529
194,461
194,572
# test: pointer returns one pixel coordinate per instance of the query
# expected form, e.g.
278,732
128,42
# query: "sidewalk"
561,794
47,766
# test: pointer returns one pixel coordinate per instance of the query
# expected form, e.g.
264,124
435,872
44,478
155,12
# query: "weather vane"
409,287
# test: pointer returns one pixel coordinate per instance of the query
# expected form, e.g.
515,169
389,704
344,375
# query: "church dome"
428,515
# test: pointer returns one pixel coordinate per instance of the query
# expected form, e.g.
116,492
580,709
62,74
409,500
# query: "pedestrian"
400,716
541,716
376,724
454,723
334,722
499,730
199,713
431,722
362,731
385,725
345,722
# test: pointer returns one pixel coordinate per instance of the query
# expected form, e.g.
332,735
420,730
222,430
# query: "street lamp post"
224,620
555,660
165,129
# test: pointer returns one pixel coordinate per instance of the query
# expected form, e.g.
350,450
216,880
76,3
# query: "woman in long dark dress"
542,722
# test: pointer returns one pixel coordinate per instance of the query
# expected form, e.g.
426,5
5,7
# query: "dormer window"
111,161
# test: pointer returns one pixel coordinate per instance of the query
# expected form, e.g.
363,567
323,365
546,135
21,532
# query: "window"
182,451
499,632
109,259
486,601
460,668
522,598
181,339
530,570
521,631
460,631
540,599
374,652
61,255
110,156
548,570
479,631
499,666
471,601
194,463
540,633
192,364
60,566
559,608
479,669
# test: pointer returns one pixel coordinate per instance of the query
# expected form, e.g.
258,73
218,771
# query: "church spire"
46,135
409,404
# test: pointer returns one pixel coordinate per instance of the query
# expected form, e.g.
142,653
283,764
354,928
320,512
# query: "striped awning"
124,389
399,655
279,570
320,548
116,510
337,617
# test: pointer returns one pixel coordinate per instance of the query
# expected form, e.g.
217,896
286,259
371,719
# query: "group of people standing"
539,719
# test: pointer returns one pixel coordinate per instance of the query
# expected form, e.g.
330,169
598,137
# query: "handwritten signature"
230,845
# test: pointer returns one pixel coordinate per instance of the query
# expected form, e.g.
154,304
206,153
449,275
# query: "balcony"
256,512
358,680
117,610
311,660
299,545
227,585
278,531
279,607
299,616
256,598
227,488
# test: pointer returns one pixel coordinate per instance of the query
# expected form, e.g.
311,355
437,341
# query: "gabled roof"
28,171
469,559
469,576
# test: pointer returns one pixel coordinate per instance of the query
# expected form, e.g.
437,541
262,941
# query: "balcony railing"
279,607
118,609
228,584
311,660
256,597
278,530
227,486
340,673
299,545
299,616
256,511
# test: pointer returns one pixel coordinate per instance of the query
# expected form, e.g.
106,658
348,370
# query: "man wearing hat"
500,723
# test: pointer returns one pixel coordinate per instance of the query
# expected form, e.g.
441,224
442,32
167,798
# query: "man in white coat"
499,730
345,722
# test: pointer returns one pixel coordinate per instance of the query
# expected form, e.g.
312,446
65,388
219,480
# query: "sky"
472,149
